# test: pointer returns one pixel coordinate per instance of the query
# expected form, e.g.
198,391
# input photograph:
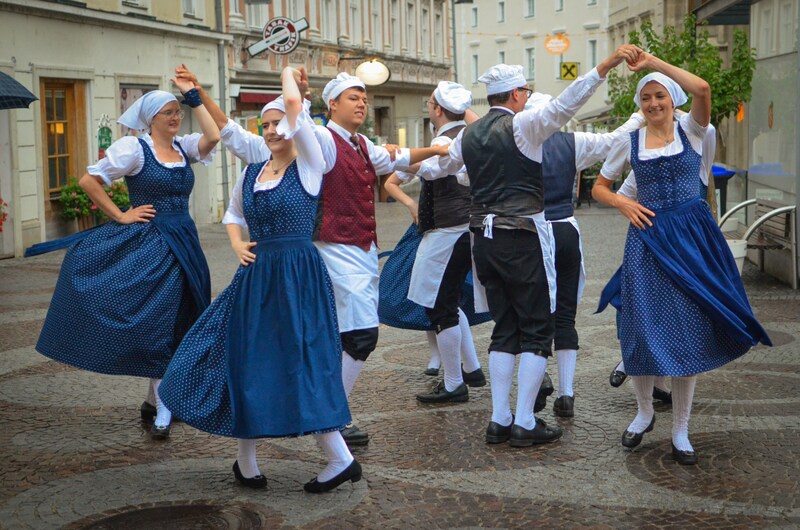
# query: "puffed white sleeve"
618,154
123,158
235,211
628,188
190,143
453,162
248,147
310,163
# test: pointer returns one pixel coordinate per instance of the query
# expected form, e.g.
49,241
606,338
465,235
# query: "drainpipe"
453,30
223,96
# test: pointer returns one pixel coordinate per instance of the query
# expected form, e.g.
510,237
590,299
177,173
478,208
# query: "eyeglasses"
170,113
432,102
528,90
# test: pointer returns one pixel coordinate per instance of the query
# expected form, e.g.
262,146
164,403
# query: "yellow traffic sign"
569,71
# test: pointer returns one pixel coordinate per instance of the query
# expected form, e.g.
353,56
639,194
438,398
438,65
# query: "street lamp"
372,72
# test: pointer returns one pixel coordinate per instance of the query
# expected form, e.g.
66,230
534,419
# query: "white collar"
341,131
149,141
504,109
449,125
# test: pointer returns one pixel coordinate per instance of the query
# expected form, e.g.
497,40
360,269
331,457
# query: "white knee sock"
682,395
529,379
643,388
247,458
435,361
350,370
501,375
566,360
660,382
449,341
621,367
469,357
163,415
337,453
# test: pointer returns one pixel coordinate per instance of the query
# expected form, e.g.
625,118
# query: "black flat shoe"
257,482
497,434
354,436
352,473
159,433
545,390
632,439
148,412
617,378
686,458
664,396
541,434
433,372
474,379
564,407
439,394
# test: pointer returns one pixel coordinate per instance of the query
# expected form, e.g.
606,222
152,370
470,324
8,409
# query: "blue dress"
127,294
683,308
394,307
265,359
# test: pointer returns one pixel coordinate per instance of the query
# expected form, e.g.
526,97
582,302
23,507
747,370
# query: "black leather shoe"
617,378
497,434
354,436
541,434
148,412
632,439
352,473
257,482
476,378
686,458
433,372
439,394
159,433
546,389
664,396
564,407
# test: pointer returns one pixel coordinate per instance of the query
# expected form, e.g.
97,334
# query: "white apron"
582,278
354,274
432,257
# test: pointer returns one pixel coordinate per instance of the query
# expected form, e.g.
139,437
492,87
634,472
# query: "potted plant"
77,205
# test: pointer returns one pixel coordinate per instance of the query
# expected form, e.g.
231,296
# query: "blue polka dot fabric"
265,359
683,306
127,294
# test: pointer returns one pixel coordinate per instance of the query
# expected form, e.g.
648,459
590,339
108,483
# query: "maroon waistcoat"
346,212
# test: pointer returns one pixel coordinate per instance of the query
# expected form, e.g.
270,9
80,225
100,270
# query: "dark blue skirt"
126,295
683,307
394,307
265,359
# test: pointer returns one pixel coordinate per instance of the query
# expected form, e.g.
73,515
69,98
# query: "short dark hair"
452,116
502,97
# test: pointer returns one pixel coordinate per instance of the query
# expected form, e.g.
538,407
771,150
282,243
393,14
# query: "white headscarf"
502,78
675,91
339,84
277,104
140,114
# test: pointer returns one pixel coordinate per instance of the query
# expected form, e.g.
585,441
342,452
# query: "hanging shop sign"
103,136
557,44
281,36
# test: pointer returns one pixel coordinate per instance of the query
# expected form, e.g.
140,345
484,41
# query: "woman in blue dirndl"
264,360
129,290
683,308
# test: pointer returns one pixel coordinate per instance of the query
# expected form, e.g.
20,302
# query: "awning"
724,12
258,95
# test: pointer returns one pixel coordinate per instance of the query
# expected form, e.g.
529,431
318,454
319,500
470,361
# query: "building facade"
85,60
489,32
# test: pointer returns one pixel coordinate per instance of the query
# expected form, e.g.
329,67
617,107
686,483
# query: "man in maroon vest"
345,232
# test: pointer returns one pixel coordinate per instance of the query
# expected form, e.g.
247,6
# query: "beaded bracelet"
192,98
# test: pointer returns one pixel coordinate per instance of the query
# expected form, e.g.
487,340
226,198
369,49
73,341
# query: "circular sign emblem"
556,44
281,35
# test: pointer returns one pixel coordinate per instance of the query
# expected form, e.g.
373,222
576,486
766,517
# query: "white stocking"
529,379
337,453
469,357
566,360
350,370
449,341
163,415
501,375
682,395
435,361
643,387
247,458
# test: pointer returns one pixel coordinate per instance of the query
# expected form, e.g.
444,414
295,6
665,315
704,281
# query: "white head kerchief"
675,91
537,99
339,84
140,114
277,104
453,96
502,78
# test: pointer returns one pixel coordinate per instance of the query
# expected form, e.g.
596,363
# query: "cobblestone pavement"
75,456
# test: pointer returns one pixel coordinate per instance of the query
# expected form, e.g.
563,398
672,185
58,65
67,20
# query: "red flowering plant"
77,204
3,213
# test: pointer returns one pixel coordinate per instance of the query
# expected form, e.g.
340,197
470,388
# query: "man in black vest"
503,155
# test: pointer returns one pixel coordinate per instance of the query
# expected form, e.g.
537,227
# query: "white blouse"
125,157
310,164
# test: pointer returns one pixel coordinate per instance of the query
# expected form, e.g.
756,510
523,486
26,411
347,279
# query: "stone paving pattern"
76,456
